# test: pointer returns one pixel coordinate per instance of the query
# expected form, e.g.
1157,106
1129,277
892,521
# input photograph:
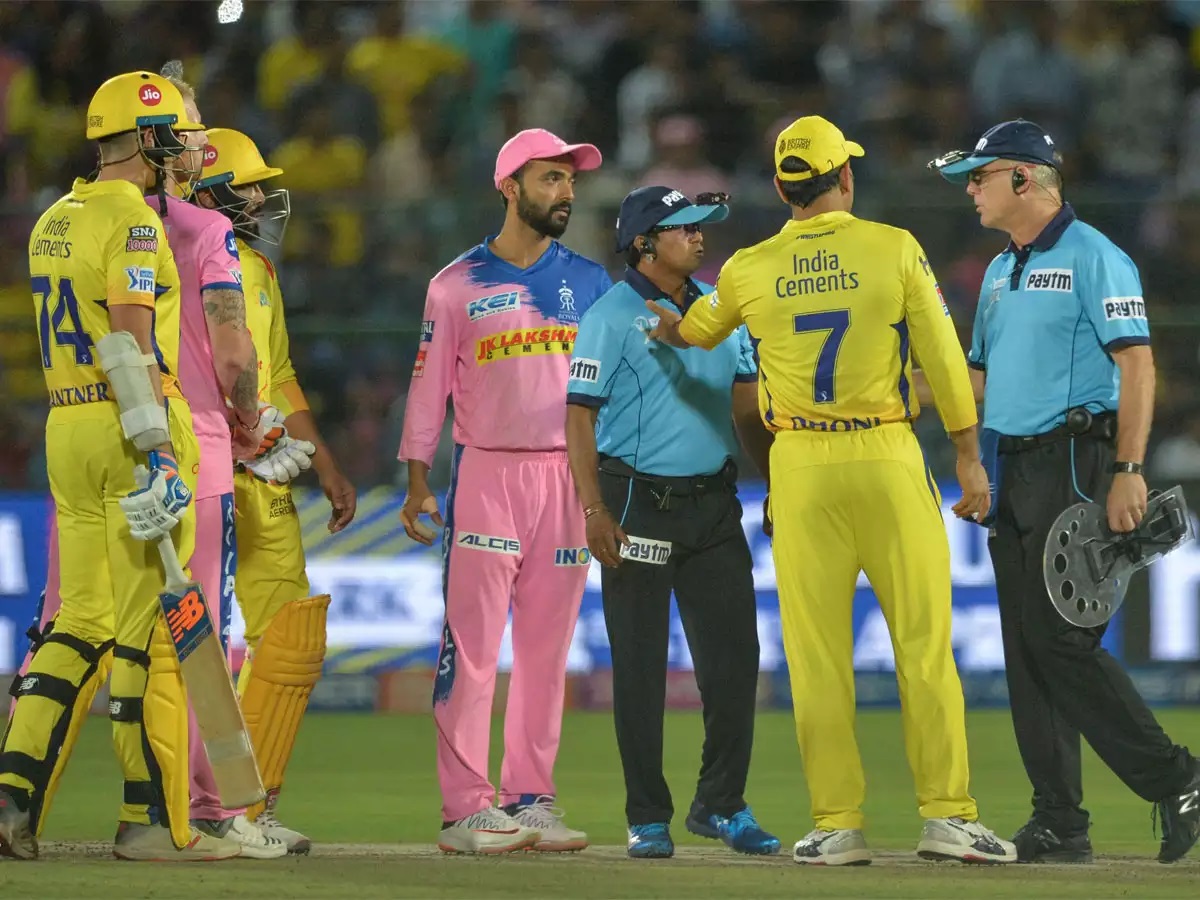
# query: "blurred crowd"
386,117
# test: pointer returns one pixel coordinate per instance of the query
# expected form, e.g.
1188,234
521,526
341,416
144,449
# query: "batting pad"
285,667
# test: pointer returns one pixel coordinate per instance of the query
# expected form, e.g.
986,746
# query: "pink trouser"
514,538
213,564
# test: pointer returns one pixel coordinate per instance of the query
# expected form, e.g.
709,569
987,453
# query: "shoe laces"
266,819
651,830
543,812
743,820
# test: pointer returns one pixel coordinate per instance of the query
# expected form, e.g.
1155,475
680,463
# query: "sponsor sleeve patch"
426,331
586,370
142,239
1117,308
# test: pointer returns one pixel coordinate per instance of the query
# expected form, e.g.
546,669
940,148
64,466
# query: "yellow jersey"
837,308
98,247
277,383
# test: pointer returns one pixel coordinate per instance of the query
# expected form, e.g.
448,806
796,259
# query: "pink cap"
537,143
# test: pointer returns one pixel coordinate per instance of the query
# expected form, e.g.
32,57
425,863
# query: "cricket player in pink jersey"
500,324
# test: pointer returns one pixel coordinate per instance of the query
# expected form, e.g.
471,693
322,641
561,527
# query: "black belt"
1081,423
680,485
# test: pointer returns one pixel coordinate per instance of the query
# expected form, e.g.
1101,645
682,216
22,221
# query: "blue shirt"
1050,316
663,411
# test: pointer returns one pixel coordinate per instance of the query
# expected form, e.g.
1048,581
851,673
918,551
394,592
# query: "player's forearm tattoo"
224,306
245,389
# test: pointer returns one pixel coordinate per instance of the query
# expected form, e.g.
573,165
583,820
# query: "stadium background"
386,118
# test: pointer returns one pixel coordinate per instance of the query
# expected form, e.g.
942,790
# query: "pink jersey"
498,340
207,256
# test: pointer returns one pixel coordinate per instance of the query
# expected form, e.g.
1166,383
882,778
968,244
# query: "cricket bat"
209,685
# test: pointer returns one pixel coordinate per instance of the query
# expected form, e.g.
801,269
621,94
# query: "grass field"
365,788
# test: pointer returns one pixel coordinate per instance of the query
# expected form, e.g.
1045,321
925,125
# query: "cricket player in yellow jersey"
838,307
285,627
106,300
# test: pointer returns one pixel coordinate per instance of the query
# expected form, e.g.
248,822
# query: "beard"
541,219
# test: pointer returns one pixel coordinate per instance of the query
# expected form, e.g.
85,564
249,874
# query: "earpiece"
1019,180
648,246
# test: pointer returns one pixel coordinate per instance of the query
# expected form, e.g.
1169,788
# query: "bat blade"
214,700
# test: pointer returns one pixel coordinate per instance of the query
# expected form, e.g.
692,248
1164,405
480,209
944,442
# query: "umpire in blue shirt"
651,443
1061,357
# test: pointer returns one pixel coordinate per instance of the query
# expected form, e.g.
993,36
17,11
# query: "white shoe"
152,843
490,830
969,842
254,842
841,847
296,843
544,816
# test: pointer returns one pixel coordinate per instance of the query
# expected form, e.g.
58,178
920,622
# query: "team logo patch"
419,365
142,239
572,556
263,299
426,331
525,342
236,275
586,370
149,95
493,306
1059,280
713,300
489,543
1124,308
141,280
646,550
231,245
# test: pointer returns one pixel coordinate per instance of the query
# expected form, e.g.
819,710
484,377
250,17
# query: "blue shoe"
701,824
741,832
651,841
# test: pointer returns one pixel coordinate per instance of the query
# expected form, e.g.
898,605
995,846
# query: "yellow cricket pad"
53,700
285,667
153,750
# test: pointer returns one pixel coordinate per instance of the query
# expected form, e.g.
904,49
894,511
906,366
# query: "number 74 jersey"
98,247
838,309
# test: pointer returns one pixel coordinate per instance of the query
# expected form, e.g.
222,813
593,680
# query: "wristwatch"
1127,468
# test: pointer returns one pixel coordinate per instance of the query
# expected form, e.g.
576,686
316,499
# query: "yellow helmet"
137,100
231,160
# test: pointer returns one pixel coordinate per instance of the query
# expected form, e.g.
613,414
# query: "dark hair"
805,193
633,255
518,175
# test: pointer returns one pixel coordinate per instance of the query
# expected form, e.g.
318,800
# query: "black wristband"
1127,468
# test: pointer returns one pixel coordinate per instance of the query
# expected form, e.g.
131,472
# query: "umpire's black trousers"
710,570
1061,682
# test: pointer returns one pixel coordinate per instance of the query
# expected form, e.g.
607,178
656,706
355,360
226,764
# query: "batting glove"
280,457
160,501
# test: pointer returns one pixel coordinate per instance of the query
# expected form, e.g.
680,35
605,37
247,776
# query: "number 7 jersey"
837,309
98,247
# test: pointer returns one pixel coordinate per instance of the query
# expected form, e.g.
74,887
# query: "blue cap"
1019,139
661,207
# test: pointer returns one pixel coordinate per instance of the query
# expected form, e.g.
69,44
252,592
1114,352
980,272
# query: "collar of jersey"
117,186
816,223
537,264
651,291
1050,234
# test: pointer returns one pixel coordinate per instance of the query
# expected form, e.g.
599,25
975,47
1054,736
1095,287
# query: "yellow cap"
231,153
818,142
136,100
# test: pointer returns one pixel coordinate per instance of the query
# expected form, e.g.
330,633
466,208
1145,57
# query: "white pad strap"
143,418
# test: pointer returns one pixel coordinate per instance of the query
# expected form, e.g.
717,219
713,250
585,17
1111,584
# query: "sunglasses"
690,228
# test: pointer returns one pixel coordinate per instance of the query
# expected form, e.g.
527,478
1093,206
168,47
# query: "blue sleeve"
977,358
1111,294
747,365
597,354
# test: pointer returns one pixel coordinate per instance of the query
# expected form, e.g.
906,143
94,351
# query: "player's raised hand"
604,537
976,499
666,329
420,500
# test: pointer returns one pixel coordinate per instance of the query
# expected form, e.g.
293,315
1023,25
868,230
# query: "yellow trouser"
842,503
109,584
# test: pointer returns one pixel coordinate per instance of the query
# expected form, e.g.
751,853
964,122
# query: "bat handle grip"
170,560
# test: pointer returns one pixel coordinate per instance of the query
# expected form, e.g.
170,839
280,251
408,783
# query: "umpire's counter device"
663,411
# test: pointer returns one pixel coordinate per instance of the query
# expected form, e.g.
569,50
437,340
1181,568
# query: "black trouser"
1061,682
710,570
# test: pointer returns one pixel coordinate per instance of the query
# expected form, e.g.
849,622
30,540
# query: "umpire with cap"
1061,336
651,443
